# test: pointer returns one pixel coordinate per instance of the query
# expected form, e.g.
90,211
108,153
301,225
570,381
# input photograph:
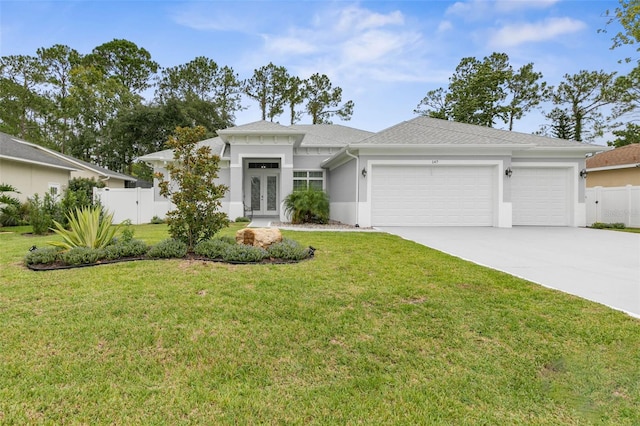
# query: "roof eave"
613,167
39,163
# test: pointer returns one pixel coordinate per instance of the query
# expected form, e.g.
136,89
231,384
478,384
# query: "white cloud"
288,45
356,18
445,26
517,34
511,5
481,9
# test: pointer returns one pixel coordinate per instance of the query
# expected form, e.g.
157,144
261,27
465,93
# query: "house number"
434,161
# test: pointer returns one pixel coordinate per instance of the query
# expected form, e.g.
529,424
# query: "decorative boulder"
258,237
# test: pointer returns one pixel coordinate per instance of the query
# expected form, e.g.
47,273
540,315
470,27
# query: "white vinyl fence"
614,205
134,204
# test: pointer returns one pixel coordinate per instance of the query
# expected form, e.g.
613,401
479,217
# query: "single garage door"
432,195
540,196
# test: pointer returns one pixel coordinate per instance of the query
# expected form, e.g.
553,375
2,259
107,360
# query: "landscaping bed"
223,249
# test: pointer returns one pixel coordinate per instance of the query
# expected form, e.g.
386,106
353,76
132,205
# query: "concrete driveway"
598,265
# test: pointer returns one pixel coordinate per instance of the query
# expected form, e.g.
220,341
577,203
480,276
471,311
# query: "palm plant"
88,227
10,214
307,206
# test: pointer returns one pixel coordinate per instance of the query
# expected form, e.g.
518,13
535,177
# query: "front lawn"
373,330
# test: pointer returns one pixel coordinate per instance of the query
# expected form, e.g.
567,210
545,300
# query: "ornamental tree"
192,188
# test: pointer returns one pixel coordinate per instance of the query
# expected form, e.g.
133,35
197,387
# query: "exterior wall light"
508,172
364,172
583,173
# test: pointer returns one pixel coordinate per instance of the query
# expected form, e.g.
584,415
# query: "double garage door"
432,195
405,195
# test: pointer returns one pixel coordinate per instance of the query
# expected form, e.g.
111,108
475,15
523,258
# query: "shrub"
244,253
196,194
123,249
242,219
213,249
600,225
167,249
288,250
43,256
81,256
42,212
80,190
156,220
89,227
127,231
307,206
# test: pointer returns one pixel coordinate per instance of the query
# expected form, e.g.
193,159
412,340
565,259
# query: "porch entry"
262,183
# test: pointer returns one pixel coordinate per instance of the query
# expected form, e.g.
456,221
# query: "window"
54,190
308,179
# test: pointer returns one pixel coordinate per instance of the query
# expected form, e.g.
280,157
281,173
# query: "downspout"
346,151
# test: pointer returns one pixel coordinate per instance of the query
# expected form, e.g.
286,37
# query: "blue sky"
384,54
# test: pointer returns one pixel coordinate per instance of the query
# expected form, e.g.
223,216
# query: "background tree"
268,87
434,104
193,189
583,95
58,61
323,100
124,60
203,84
627,15
477,90
525,91
21,106
485,92
294,96
561,125
630,134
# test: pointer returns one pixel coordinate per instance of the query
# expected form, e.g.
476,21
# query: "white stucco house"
422,172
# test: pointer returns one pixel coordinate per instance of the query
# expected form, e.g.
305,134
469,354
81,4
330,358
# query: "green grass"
374,330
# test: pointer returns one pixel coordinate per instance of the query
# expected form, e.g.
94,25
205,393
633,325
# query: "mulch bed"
190,256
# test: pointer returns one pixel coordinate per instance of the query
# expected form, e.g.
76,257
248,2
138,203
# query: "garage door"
432,195
540,196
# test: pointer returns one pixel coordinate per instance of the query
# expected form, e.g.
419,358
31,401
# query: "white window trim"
308,179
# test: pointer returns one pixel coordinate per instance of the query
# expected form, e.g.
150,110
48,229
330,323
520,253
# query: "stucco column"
236,206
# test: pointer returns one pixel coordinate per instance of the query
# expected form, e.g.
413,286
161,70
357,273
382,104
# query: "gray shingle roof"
256,127
329,134
97,169
20,150
433,131
216,144
23,151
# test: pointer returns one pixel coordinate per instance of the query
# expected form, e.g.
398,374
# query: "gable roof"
94,168
433,131
625,156
216,144
329,134
25,152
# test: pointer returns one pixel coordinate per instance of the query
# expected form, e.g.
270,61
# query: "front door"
263,192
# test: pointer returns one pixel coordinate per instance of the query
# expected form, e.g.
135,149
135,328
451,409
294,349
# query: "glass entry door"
263,192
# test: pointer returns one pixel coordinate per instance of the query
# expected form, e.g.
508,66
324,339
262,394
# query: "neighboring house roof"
432,131
619,158
25,152
94,168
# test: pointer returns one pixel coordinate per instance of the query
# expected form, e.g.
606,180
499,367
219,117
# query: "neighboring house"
618,167
33,169
421,172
